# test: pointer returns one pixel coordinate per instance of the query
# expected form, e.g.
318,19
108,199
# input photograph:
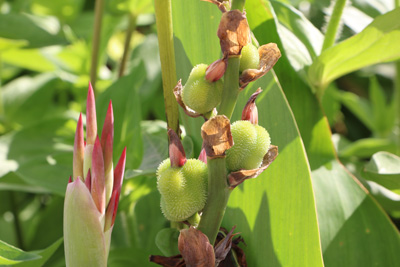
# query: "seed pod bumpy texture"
250,58
199,94
183,190
251,143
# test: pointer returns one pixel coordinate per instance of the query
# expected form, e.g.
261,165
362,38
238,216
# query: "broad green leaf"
384,169
45,255
10,255
34,94
261,214
37,32
354,230
377,43
126,104
40,154
34,59
147,209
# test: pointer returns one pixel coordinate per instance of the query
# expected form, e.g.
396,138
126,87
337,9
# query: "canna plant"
233,153
92,195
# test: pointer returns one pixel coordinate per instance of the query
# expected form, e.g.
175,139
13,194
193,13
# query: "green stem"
218,189
333,24
238,4
167,57
230,91
99,6
129,31
217,199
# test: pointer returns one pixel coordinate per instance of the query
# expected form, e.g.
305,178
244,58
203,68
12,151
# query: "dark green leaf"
10,255
167,241
30,28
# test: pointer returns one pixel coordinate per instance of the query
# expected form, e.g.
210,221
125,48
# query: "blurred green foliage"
326,108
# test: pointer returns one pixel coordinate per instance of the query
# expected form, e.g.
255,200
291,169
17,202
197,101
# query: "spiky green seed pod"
199,94
183,189
251,143
250,58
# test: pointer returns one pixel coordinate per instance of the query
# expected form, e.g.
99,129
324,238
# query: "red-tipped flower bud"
176,152
216,70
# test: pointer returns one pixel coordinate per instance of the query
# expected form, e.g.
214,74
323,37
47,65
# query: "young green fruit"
251,143
183,189
199,94
250,58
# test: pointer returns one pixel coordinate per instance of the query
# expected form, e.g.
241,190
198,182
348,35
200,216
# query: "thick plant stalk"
217,199
333,24
230,91
99,6
218,189
167,56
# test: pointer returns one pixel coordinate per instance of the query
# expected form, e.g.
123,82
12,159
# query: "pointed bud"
203,156
84,240
88,181
111,211
119,172
108,167
250,111
79,147
108,128
216,70
176,152
91,121
70,180
98,180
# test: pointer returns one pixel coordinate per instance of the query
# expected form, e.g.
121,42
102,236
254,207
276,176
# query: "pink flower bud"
216,70
250,111
91,121
176,152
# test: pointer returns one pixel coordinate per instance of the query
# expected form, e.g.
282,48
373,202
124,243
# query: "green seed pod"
199,94
250,58
251,143
183,189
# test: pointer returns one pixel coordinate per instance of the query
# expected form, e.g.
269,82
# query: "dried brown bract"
195,248
236,178
269,55
233,32
217,137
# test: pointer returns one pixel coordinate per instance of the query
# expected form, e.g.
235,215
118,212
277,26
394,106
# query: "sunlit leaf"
353,228
377,43
384,169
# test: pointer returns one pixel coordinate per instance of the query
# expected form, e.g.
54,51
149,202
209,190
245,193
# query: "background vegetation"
331,105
